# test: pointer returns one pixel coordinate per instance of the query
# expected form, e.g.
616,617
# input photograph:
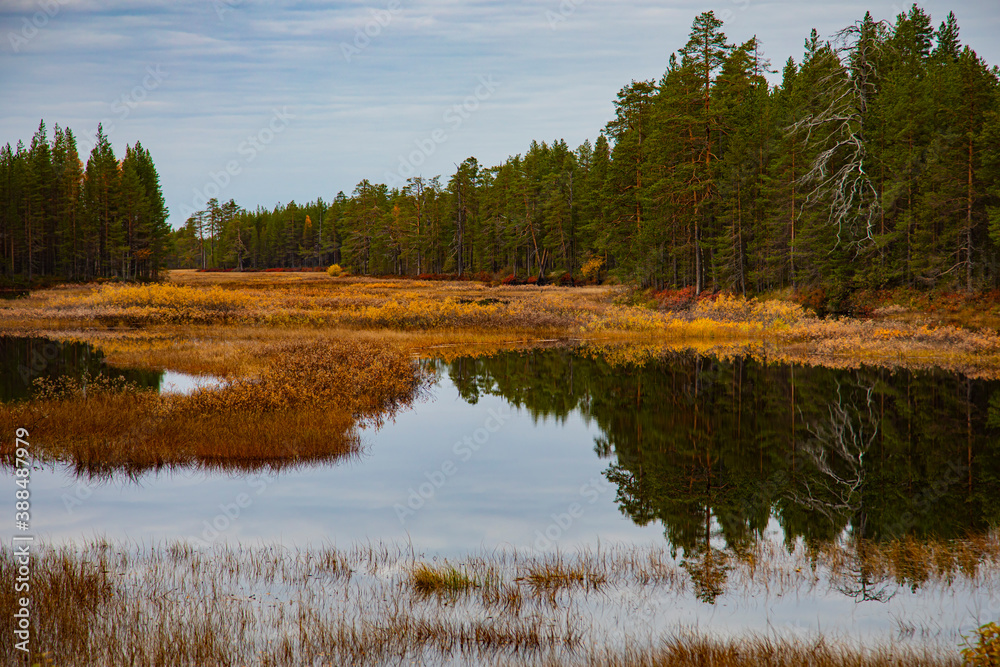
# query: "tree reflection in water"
716,449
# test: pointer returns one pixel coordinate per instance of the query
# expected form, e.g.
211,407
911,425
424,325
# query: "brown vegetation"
761,652
303,406
306,359
157,325
380,604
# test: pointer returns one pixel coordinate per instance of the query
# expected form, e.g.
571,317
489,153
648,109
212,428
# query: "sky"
267,102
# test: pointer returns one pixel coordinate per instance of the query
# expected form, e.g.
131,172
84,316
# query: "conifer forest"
874,163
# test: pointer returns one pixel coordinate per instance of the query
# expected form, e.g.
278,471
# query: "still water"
23,361
558,449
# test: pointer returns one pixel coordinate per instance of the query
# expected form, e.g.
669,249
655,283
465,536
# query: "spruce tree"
100,200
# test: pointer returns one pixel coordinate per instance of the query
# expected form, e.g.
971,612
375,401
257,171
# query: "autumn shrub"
591,269
676,299
483,277
334,271
632,295
175,304
626,318
984,649
814,299
295,269
732,308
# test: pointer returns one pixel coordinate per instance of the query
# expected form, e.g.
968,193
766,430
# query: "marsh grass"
442,580
403,305
414,313
303,407
761,652
555,574
109,604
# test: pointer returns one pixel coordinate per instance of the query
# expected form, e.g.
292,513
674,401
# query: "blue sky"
266,102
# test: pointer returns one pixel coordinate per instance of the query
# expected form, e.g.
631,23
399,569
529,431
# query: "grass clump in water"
444,580
553,575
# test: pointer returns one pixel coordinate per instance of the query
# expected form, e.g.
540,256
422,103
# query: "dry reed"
108,604
303,407
414,312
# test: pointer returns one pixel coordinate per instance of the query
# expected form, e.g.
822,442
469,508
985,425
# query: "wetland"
447,494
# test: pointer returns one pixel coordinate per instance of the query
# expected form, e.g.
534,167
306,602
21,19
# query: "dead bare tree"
837,451
836,177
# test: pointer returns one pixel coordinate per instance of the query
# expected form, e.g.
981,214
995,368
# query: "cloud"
230,63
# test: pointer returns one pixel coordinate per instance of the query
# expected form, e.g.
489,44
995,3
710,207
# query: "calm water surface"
23,360
559,449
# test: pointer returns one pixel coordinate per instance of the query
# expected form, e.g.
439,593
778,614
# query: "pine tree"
156,229
782,190
69,180
463,191
39,205
741,96
905,108
100,200
132,215
629,131
8,211
978,86
837,215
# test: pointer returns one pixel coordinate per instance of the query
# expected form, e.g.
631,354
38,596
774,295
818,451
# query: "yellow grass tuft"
443,580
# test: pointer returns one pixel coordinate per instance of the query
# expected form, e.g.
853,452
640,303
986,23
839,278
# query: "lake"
552,450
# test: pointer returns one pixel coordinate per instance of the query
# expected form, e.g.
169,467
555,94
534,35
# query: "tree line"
874,163
59,217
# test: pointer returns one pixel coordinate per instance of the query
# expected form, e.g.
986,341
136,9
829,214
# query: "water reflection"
892,476
25,359
714,450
